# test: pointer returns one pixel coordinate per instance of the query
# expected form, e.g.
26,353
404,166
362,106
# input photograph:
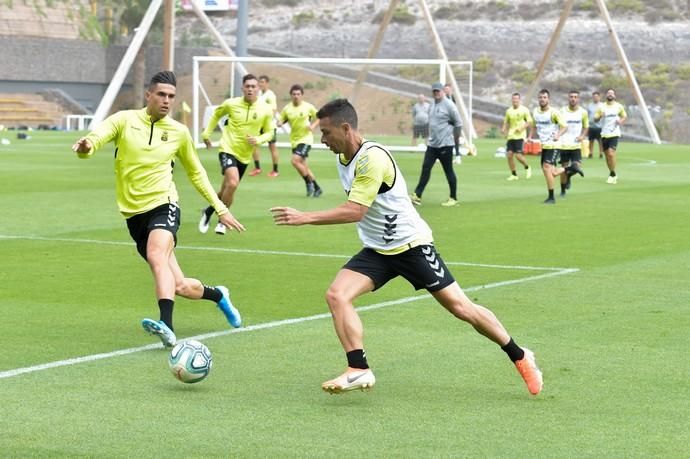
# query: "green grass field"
597,286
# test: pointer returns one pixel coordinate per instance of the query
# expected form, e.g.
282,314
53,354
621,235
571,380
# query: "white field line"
266,325
263,252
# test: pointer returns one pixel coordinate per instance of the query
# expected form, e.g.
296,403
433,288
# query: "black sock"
211,293
316,185
306,179
357,359
257,165
612,173
166,309
514,351
209,211
563,187
275,168
550,194
527,167
513,172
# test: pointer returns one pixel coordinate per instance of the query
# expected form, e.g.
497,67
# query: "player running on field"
577,122
612,116
247,118
302,118
515,125
148,143
397,242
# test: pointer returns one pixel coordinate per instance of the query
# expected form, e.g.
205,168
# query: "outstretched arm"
350,212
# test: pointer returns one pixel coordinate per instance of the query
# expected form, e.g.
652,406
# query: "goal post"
384,96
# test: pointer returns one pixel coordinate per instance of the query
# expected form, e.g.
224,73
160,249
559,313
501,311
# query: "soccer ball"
190,361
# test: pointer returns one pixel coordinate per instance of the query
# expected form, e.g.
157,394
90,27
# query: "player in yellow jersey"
269,98
302,118
397,242
147,144
514,128
248,117
612,116
577,122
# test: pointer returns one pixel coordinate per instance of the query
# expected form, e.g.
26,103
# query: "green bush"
683,72
303,18
483,64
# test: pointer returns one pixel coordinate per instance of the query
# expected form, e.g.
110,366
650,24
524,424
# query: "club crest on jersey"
255,116
164,136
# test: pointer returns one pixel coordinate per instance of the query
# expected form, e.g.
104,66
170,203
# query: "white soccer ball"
190,361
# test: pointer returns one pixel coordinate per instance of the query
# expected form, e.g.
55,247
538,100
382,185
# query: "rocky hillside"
505,39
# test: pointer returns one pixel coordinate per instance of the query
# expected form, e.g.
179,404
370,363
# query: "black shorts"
420,130
229,160
609,143
302,150
594,133
166,216
515,145
421,266
567,156
549,156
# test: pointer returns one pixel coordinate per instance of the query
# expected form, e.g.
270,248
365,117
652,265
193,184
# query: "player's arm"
504,127
109,129
563,126
218,113
267,128
282,119
532,129
622,116
197,175
349,212
314,121
585,126
528,121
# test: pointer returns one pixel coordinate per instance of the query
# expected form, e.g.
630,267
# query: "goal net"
382,90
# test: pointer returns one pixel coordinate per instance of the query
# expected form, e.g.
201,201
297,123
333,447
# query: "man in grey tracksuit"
444,124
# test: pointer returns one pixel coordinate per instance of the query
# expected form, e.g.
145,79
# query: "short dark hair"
248,76
574,91
297,87
163,77
516,94
545,91
265,78
339,110
611,89
596,93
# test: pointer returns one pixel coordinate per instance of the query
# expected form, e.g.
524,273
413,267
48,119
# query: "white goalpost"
382,90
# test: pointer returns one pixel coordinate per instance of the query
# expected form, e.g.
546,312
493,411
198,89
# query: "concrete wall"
81,68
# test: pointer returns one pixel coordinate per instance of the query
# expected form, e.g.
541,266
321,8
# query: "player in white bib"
397,242
612,116
577,123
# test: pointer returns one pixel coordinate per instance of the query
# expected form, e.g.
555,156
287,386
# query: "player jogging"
515,125
148,143
247,118
268,97
302,118
612,116
577,122
549,126
397,242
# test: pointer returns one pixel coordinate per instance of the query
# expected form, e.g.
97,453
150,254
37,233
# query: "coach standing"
444,126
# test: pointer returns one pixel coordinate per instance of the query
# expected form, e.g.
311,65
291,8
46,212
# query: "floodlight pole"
169,35
374,48
654,134
464,114
126,63
549,49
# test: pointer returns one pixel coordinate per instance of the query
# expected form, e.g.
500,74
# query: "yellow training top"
300,118
244,120
516,118
145,154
